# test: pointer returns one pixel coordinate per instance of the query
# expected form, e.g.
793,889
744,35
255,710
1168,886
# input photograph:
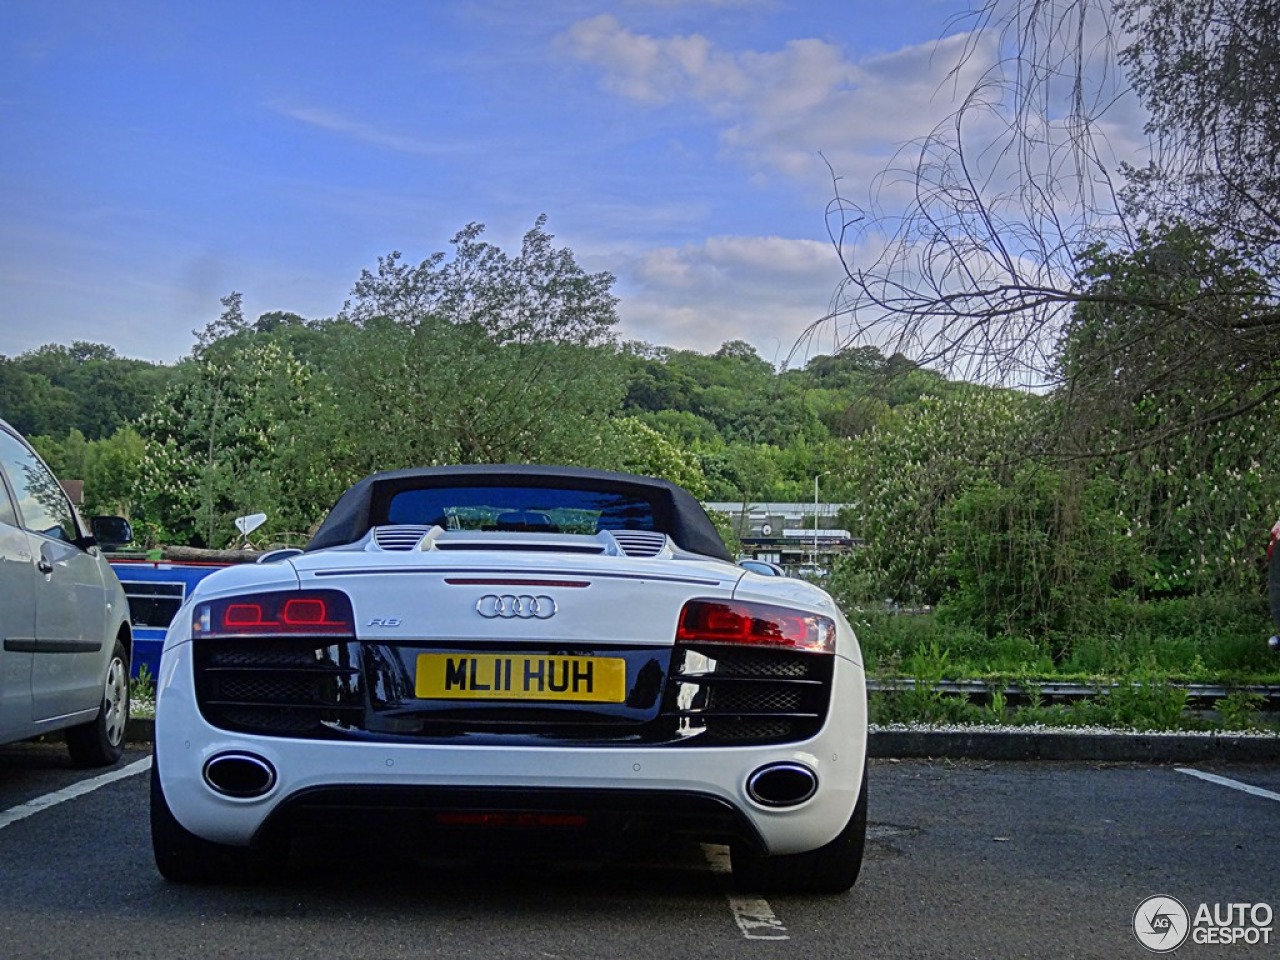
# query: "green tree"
983,267
31,403
448,393
1148,331
629,446
67,457
743,472
684,429
111,474
231,323
108,468
1035,554
237,437
481,357
1208,74
905,477
539,295
1200,475
86,386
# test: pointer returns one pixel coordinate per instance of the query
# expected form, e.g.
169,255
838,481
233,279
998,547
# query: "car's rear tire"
100,742
832,868
182,857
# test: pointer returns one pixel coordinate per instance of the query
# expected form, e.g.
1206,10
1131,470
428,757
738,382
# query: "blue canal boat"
156,590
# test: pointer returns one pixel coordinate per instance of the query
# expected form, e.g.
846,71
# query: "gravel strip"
1039,728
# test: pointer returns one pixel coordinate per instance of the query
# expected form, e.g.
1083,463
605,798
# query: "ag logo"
1161,924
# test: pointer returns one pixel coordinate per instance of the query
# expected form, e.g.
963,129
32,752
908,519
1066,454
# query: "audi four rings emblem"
510,607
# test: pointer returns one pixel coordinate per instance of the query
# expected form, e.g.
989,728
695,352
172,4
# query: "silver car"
65,637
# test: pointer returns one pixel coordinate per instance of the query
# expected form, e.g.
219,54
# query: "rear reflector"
291,613
525,820
755,624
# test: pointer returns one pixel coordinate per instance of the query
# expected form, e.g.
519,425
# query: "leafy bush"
1197,638
892,643
922,702
1031,554
906,472
1149,704
1239,710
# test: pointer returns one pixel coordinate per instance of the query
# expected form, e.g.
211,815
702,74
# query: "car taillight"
755,624
291,613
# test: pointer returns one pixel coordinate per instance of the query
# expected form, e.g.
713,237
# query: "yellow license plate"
520,676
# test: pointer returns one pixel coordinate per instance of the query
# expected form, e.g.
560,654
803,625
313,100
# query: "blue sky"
159,155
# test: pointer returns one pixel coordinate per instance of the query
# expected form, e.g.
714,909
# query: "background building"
801,539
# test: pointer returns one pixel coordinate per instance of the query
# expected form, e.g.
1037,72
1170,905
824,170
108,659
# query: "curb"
981,744
140,730
1054,745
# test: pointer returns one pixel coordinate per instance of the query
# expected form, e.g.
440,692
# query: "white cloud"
354,129
765,290
779,109
777,294
873,118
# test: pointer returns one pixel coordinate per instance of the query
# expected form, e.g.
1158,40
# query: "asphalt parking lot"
965,859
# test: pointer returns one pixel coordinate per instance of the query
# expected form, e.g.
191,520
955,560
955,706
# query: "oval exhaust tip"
240,775
782,785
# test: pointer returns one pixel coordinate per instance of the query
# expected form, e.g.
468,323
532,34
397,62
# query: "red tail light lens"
311,612
755,624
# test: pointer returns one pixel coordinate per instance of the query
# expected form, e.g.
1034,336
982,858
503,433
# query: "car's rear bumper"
509,821
699,790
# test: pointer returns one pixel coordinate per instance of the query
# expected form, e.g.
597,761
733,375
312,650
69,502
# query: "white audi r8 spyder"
512,661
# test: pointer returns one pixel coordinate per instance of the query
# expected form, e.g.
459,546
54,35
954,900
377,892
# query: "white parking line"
1233,784
754,916
24,810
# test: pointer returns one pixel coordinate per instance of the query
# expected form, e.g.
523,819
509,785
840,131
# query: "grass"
142,693
1138,654
1196,640
1140,707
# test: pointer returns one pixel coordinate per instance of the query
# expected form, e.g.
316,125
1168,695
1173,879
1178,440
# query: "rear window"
522,509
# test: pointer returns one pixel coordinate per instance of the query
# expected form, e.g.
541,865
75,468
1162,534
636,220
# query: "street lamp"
815,517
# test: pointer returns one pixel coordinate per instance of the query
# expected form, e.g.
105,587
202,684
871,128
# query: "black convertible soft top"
675,511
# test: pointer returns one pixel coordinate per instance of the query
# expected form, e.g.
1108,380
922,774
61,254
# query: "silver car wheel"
116,701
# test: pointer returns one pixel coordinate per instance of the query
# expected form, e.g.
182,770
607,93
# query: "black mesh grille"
269,720
755,698
304,657
753,663
300,686
759,730
719,694
268,688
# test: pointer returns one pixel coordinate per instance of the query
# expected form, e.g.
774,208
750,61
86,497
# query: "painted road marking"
24,810
754,917
1233,784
